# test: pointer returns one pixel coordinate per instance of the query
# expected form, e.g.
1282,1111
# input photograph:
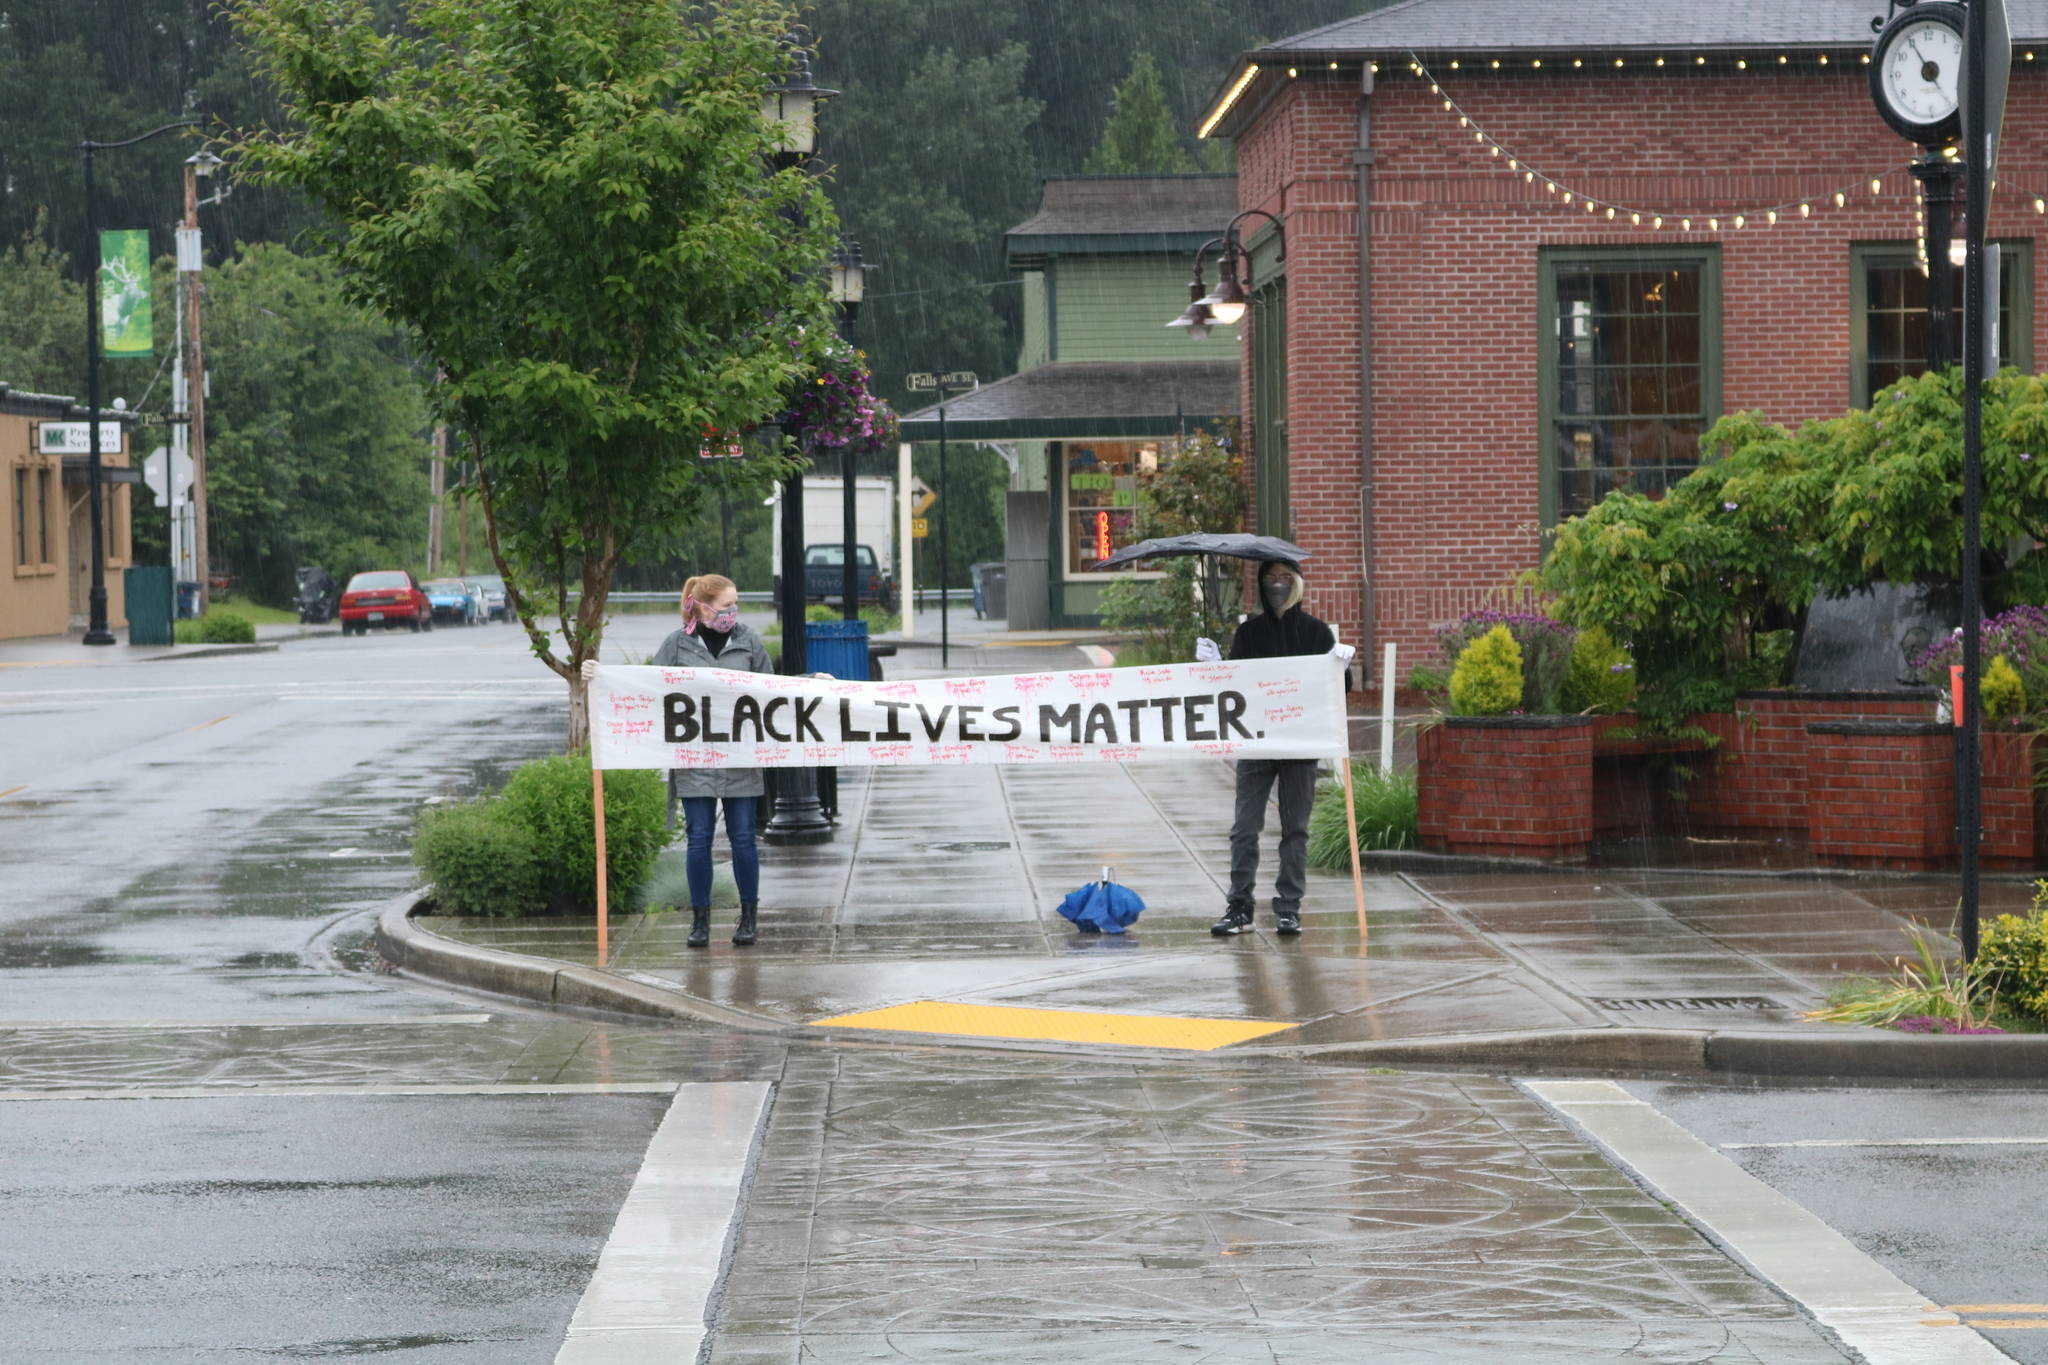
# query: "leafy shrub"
1929,986
219,628
1602,677
2019,636
1199,487
1386,816
478,859
1487,678
1545,642
2013,957
2004,696
551,797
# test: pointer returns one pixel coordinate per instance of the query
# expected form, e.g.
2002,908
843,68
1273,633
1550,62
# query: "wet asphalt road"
270,1172
1915,1178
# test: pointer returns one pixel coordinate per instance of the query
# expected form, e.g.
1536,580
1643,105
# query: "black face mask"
1277,592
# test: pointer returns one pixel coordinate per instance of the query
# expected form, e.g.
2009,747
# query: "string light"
1595,205
1660,61
1742,64
1823,59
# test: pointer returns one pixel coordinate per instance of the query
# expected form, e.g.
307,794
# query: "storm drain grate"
969,846
1687,1002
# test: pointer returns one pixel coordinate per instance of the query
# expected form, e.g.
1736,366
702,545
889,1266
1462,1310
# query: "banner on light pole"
124,293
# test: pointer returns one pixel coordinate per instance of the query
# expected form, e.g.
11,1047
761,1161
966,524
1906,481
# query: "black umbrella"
1231,545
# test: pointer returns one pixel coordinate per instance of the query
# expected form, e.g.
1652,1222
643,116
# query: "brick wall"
1507,786
1883,793
1455,407
1759,774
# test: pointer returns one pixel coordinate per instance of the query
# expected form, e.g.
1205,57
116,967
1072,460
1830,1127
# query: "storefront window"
1888,306
1631,360
1106,483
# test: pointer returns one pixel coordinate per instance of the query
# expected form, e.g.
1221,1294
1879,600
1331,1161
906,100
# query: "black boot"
743,932
700,927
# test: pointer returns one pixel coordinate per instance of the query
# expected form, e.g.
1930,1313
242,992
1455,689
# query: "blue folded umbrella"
1102,906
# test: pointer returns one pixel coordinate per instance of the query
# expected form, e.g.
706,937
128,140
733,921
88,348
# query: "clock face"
1919,70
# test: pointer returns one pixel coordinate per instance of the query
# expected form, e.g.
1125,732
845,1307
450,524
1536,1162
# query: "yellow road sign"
919,528
921,497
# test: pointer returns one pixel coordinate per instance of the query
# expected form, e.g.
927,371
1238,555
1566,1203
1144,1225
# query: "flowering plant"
838,408
1545,643
2019,636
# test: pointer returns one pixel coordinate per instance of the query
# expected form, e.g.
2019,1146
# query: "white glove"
1342,653
590,670
1206,651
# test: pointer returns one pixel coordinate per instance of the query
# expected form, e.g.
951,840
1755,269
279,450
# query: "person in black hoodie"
1281,629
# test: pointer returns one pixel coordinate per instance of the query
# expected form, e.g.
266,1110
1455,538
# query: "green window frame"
1269,408
1629,369
1888,312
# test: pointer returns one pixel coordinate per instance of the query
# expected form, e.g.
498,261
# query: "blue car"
452,600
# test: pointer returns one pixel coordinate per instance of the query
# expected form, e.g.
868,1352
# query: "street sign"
75,438
921,498
919,528
926,381
1997,70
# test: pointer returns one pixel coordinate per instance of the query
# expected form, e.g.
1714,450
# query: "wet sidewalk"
931,918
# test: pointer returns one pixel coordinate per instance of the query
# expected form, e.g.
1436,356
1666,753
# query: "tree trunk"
579,713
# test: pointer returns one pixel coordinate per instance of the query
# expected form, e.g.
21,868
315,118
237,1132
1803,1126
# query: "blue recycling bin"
837,647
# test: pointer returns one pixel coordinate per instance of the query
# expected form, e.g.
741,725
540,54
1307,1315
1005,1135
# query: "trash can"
188,599
837,647
147,592
991,584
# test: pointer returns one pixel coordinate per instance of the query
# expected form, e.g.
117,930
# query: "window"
1630,370
115,503
1888,313
1269,408
43,516
1106,483
21,482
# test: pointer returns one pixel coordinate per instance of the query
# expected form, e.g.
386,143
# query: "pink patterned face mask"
723,619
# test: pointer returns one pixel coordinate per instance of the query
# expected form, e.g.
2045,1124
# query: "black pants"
1255,779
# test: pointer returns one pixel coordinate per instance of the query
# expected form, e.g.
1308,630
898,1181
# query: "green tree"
567,203
1139,138
317,446
1201,488
42,347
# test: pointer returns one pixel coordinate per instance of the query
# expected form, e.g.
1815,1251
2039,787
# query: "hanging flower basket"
838,408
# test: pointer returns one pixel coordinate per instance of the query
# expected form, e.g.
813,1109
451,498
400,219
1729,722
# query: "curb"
1732,1054
215,651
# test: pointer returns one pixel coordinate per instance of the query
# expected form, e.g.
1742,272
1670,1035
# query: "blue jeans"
700,818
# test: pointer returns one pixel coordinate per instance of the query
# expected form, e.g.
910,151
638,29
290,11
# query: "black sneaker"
1287,923
1237,917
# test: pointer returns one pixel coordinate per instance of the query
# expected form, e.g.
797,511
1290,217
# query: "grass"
1926,985
253,612
879,622
1386,816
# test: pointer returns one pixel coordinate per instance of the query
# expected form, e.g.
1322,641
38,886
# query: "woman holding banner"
713,636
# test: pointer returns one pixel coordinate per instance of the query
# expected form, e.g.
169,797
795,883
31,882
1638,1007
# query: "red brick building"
1589,229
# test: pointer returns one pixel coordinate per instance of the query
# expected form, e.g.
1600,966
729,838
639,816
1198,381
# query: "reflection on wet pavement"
961,1207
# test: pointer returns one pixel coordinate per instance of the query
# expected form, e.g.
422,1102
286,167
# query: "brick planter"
1520,786
1759,773
2012,803
1882,793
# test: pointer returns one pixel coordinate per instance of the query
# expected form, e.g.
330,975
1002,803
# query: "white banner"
715,718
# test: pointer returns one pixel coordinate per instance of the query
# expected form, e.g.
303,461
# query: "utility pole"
436,479
196,165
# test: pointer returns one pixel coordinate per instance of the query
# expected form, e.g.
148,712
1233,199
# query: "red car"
383,599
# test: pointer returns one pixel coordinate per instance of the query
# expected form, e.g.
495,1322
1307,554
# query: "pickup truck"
825,575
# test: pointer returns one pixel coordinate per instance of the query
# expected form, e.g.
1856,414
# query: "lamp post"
200,163
849,287
790,107
96,632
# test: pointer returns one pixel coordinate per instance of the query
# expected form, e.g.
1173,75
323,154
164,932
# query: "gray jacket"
745,652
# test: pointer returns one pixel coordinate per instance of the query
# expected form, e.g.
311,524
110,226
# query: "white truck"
874,509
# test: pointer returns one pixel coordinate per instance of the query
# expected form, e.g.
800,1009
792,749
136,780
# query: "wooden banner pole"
603,911
1351,830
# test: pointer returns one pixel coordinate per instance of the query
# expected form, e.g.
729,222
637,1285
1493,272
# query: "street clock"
1915,68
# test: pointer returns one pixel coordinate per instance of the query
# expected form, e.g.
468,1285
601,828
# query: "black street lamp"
790,107
849,287
1224,305
96,631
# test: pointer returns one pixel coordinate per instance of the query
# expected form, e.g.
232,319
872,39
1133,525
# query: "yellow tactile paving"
1057,1026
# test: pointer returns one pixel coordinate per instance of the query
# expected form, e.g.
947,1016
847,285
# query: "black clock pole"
1937,176
1977,186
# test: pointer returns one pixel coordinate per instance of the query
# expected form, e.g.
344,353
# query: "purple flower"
1730,506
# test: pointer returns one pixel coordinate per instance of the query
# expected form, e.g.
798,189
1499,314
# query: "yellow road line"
1057,1026
208,724
48,663
1995,1307
12,790
2008,1324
